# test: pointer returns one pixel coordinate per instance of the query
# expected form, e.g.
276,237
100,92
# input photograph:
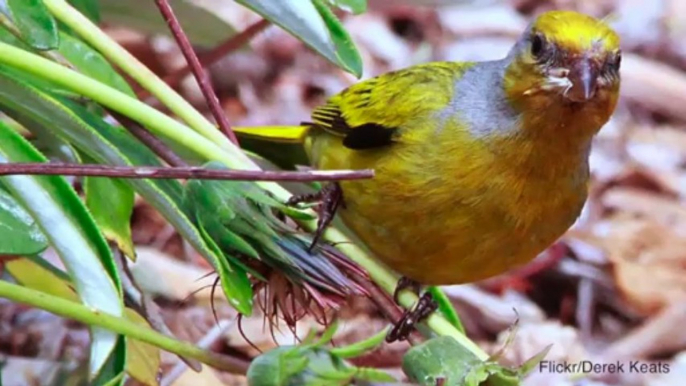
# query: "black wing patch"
369,136
362,137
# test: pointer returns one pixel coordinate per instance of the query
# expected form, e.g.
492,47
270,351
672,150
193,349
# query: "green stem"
129,64
165,126
358,348
90,316
156,121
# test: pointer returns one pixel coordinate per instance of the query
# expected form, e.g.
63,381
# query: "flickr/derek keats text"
634,367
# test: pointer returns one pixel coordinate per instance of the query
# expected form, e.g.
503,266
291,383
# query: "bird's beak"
583,76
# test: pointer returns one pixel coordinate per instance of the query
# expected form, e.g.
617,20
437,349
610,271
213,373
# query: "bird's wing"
380,111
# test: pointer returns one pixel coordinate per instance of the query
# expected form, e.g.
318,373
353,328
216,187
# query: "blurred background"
612,289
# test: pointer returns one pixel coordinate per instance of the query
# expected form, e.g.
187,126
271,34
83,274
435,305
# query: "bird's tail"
281,134
283,145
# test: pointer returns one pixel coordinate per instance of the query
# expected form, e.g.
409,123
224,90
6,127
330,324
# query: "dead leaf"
159,273
142,359
493,313
664,210
656,337
660,148
649,261
206,377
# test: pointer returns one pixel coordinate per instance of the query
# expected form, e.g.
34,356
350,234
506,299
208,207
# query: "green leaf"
441,358
54,147
110,201
73,234
90,8
9,38
37,26
346,52
312,22
276,366
211,208
20,233
106,144
353,6
534,361
345,48
444,359
117,380
234,279
90,62
111,372
374,376
446,307
492,373
202,25
299,366
360,347
309,364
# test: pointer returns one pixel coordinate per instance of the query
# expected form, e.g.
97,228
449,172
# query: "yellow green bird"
479,165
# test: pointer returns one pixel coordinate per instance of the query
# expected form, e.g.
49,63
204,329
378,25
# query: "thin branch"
210,57
199,73
148,139
188,172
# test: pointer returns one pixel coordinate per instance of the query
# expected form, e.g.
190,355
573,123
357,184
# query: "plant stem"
89,316
188,172
199,73
134,68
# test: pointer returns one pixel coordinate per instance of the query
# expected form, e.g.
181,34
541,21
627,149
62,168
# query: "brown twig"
196,68
188,172
212,56
149,140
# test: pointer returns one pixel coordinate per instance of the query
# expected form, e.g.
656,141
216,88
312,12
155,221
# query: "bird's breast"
473,215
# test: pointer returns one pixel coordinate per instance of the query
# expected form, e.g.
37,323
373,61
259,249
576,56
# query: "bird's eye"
614,62
537,46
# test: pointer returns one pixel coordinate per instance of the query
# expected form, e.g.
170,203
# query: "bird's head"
565,58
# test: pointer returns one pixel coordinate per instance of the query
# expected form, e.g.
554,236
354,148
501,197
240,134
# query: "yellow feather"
282,134
576,31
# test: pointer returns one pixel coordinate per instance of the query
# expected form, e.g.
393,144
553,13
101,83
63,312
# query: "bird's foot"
403,284
330,198
402,329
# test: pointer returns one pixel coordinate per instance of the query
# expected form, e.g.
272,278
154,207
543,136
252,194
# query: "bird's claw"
401,330
330,198
403,284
